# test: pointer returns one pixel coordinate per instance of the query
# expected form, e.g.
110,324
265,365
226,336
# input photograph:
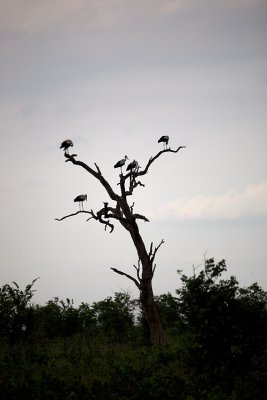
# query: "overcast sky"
113,76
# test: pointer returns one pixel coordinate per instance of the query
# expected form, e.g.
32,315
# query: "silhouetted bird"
121,163
80,199
66,144
164,139
132,166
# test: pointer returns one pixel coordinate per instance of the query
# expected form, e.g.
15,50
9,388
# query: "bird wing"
66,143
130,166
79,198
163,139
119,163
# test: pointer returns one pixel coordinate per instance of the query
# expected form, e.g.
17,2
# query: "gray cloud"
31,17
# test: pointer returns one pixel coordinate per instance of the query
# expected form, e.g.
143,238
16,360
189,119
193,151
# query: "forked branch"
93,216
71,215
134,174
152,253
152,159
97,174
138,269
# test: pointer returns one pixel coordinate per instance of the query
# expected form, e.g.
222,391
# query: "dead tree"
124,213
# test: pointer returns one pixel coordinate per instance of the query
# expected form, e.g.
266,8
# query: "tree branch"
71,215
98,217
150,250
139,216
97,174
93,216
152,254
152,159
138,270
127,275
134,174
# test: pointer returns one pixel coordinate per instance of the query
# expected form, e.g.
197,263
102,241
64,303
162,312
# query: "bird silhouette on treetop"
164,140
80,199
121,163
66,144
132,166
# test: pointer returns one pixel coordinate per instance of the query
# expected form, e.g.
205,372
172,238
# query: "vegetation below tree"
216,347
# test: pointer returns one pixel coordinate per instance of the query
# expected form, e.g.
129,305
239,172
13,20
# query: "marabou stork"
132,166
120,163
164,139
66,144
80,199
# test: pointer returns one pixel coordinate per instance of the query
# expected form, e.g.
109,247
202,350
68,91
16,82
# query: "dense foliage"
216,345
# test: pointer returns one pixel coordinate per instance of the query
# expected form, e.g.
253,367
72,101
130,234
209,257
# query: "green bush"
216,345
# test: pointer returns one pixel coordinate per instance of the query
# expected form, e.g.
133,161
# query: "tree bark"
156,332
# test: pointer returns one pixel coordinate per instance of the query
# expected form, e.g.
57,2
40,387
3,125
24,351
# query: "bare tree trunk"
156,332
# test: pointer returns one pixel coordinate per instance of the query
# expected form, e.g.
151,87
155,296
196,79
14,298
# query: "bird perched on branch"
66,144
80,199
132,166
165,140
121,163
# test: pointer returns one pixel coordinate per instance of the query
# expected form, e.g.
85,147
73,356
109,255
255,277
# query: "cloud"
248,203
33,16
